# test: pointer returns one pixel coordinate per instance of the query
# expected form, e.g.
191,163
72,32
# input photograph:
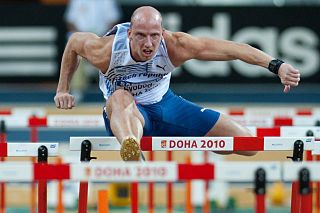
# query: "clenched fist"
289,76
64,100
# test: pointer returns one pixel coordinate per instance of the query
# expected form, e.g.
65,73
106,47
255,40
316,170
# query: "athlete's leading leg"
225,126
126,123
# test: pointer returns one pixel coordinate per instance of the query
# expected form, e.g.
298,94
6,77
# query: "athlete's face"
145,39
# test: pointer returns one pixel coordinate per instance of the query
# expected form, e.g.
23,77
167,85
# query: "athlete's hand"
64,100
289,76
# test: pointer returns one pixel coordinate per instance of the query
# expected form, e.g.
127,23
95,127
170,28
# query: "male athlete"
136,60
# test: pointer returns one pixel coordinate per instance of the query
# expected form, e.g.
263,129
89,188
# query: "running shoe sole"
130,150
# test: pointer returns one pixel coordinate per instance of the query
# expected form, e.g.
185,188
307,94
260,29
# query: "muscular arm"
89,46
188,47
183,47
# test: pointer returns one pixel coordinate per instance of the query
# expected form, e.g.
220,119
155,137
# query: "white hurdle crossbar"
291,170
111,171
26,149
201,143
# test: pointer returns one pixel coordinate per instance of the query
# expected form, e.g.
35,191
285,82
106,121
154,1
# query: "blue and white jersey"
147,81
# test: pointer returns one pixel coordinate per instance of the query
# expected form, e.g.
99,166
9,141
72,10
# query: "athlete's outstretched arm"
182,47
88,46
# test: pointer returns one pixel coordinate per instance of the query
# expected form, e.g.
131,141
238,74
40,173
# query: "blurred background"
33,34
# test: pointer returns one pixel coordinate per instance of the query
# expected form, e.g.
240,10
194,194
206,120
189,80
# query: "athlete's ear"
129,33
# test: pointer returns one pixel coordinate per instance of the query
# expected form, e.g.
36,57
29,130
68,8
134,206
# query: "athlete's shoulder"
176,43
175,37
97,50
169,37
95,43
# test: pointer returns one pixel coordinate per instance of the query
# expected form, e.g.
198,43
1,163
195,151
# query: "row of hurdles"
74,121
43,171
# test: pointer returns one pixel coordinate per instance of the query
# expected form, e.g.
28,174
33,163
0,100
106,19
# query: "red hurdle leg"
298,149
85,156
295,198
33,139
42,183
42,196
134,198
306,203
318,197
169,188
309,157
3,194
317,190
305,191
3,139
206,207
189,207
83,197
260,204
260,190
151,190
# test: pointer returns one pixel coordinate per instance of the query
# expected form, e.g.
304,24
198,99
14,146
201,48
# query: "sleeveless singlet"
147,81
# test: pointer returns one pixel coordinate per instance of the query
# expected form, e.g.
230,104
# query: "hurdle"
94,121
35,119
201,143
22,117
151,189
42,151
107,171
285,131
85,156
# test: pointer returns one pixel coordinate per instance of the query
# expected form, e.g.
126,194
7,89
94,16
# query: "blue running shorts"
173,116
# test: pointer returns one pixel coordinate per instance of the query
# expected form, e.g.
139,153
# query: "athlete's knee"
119,101
121,97
122,102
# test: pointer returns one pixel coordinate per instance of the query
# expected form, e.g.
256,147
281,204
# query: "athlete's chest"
157,65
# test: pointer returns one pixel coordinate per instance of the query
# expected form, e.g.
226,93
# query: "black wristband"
274,65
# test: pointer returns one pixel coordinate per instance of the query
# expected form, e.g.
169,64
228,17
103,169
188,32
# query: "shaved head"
146,14
145,33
